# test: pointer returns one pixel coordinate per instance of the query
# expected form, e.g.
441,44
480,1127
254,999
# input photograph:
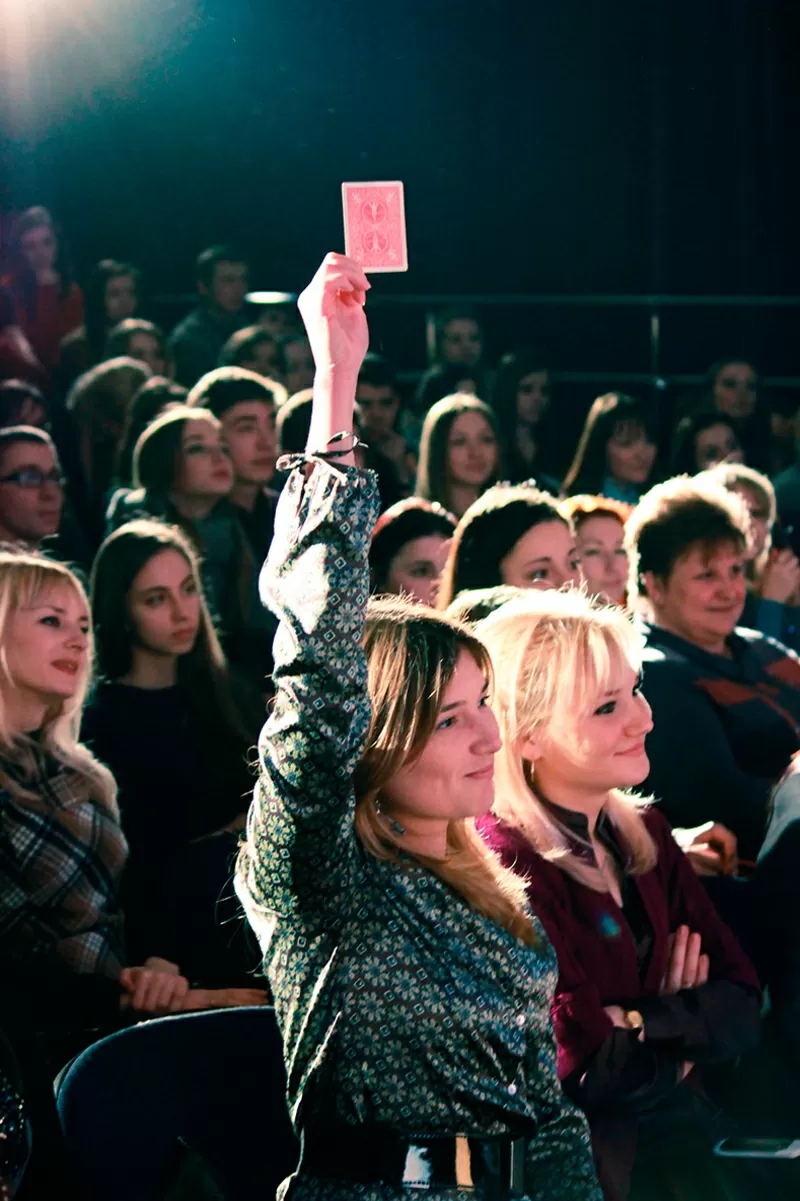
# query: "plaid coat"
61,856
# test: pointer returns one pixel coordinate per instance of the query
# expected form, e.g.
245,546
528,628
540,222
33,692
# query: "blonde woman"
61,847
411,986
651,983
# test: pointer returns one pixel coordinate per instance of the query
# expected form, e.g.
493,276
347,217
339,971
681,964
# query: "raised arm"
301,850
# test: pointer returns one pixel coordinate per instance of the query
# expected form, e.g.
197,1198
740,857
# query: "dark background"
545,146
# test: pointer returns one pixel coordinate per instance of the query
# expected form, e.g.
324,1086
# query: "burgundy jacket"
597,954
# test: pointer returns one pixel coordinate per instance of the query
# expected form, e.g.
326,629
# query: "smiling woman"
642,954
729,695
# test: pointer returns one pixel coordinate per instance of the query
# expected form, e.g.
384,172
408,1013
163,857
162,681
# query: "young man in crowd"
378,408
31,489
196,342
245,403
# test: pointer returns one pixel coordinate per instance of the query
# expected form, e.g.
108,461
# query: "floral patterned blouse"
398,1003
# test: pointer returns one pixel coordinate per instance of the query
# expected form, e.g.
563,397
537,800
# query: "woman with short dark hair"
725,700
408,549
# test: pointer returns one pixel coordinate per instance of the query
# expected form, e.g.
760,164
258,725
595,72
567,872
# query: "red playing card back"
375,225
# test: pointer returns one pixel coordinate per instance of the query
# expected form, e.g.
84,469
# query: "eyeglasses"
32,477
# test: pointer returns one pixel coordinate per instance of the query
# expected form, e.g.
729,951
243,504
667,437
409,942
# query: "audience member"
599,525
472,606
62,850
379,409
98,402
732,388
31,486
513,534
277,316
113,292
196,342
155,396
292,427
245,403
22,403
408,549
616,455
254,349
521,399
48,303
784,409
182,474
165,689
703,438
455,337
459,452
140,340
652,987
297,362
17,356
727,696
359,854
446,379
773,572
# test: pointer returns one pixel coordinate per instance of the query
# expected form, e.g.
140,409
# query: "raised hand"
332,308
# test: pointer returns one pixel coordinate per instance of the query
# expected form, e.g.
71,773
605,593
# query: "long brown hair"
412,653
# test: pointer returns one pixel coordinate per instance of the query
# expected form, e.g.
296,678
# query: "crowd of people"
518,868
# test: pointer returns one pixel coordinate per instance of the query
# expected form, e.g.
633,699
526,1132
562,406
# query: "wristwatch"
635,1021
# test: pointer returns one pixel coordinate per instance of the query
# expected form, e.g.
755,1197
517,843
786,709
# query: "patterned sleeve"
558,1162
301,845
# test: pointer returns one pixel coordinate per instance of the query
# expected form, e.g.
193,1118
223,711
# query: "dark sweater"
175,786
724,729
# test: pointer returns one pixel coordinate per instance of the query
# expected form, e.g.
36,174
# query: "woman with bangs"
411,985
652,986
61,847
617,452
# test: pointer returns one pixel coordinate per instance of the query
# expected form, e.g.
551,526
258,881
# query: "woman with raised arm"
411,984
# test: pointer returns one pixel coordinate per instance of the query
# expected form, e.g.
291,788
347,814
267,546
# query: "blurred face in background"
249,431
462,342
147,349
604,561
472,451
758,509
204,469
544,557
31,492
630,453
533,396
40,249
717,444
228,287
263,360
416,568
121,298
735,390
377,411
299,365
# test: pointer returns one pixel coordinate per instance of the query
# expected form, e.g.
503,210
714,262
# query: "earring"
394,826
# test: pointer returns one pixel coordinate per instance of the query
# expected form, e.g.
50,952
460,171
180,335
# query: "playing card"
375,225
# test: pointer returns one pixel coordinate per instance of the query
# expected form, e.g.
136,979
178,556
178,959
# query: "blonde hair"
554,655
24,578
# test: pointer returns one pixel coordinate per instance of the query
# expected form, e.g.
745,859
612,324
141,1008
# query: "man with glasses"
31,487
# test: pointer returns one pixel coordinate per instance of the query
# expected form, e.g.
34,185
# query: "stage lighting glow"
271,297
